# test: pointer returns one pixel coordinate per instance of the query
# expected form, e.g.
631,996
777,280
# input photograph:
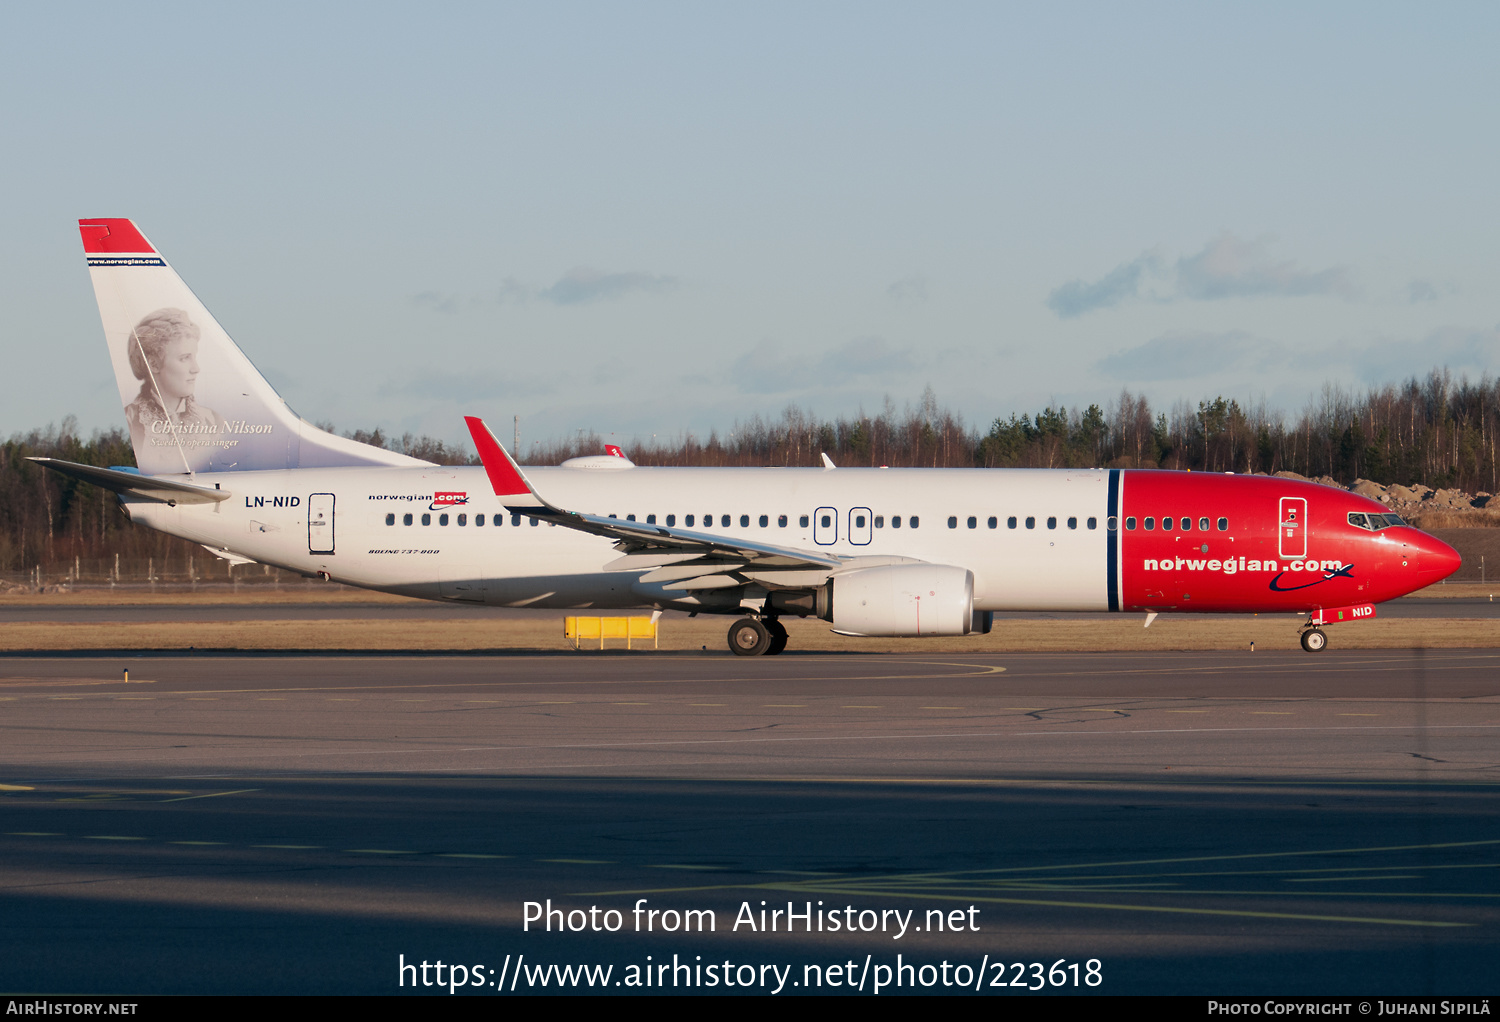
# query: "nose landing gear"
1314,640
751,637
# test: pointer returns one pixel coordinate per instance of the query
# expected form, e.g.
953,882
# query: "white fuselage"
851,513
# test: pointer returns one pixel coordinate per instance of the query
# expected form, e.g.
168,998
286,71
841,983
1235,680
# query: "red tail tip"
111,235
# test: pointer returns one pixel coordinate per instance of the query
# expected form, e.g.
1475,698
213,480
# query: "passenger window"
1031,523
391,519
879,521
744,521
463,519
994,522
515,519
1187,525
1072,523
1203,525
614,516
859,521
478,520
896,521
442,519
1010,523
781,521
1223,524
1111,523
952,522
973,522
533,523
1150,524
1130,525
671,521
826,521
802,522
406,519
765,520
1094,523
650,519
687,520
630,518
1052,523
1166,525
915,521
724,521
427,519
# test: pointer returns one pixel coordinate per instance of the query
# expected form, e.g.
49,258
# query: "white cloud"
1227,267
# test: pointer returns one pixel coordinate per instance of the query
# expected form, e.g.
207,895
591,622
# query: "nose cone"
1434,559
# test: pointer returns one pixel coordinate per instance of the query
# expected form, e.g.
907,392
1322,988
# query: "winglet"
505,476
827,461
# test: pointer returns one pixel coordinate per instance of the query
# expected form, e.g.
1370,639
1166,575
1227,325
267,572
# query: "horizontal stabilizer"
133,484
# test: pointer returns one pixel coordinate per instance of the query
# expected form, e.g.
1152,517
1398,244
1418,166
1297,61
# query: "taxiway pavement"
1196,822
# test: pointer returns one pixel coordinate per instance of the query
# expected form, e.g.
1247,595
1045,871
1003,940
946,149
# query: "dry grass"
1456,519
202,596
1167,633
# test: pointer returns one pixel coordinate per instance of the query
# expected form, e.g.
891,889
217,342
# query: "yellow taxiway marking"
679,865
1273,713
16,787
1336,880
1202,858
212,794
708,704
31,833
470,855
809,887
631,704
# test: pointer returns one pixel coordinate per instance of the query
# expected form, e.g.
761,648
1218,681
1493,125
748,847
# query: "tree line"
1433,430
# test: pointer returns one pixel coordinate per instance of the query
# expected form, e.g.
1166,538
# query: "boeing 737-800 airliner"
222,461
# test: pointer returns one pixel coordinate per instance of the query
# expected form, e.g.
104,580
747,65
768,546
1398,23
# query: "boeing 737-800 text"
222,461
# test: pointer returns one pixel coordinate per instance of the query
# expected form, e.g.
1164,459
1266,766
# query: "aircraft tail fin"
193,401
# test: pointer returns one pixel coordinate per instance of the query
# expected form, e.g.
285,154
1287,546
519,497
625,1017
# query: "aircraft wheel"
1314,641
778,637
748,637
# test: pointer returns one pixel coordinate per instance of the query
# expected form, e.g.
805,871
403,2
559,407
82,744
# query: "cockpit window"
1374,522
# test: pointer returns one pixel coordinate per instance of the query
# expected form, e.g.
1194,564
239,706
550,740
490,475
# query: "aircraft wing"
134,484
644,545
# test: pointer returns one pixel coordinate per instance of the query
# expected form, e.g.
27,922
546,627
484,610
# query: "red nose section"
1436,560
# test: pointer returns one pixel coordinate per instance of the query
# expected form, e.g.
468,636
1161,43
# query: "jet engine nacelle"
903,600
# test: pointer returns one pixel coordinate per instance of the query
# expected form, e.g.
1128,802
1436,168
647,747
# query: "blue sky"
646,219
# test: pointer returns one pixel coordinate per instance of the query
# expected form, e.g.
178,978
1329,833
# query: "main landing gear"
751,637
1314,640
